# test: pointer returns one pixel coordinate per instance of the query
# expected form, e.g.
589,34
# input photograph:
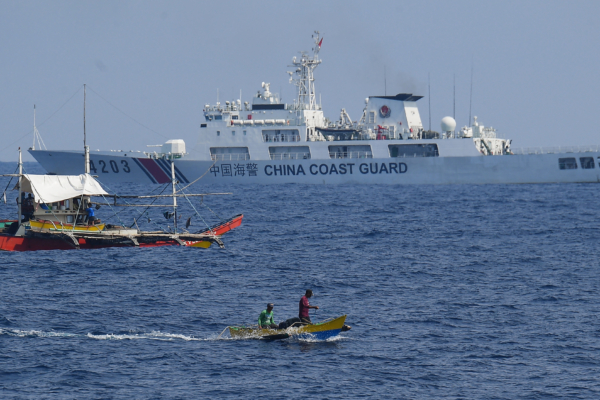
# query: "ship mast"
34,129
86,149
303,76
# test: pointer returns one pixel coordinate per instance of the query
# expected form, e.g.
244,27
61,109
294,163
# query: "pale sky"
535,64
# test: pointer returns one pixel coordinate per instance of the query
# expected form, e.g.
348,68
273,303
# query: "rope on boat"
197,213
46,120
116,215
202,176
221,220
156,198
142,213
9,182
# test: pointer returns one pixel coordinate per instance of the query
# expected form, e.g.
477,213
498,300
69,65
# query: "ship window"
218,117
234,117
355,151
414,150
202,125
587,162
233,133
244,133
218,133
289,152
371,117
567,163
229,153
281,135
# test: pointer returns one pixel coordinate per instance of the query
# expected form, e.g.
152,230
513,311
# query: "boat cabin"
59,200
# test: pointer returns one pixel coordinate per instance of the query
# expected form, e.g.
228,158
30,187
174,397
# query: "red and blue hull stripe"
159,170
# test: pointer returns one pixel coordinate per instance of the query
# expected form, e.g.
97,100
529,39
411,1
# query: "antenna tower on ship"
303,76
36,135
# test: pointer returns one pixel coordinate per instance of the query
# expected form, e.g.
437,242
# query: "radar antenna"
303,76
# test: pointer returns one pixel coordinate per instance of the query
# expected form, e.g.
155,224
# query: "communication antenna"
384,81
33,146
454,98
429,96
471,94
84,137
36,135
303,75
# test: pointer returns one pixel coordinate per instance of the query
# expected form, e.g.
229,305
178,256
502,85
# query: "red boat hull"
18,243
224,227
23,243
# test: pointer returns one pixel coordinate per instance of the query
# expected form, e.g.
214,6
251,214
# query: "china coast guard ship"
268,141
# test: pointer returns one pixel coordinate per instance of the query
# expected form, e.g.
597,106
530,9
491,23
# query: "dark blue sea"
452,292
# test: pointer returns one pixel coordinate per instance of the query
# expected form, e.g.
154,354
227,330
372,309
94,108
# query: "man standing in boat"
265,319
91,215
305,307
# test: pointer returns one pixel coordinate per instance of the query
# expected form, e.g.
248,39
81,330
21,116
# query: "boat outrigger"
321,330
54,217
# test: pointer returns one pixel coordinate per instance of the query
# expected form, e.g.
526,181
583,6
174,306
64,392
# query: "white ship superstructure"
268,141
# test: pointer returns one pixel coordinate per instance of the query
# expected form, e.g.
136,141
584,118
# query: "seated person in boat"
305,306
265,319
91,215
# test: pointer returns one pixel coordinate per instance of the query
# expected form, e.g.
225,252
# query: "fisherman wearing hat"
265,320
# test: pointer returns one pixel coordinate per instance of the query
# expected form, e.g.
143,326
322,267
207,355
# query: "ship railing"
230,157
351,154
290,156
281,138
415,155
555,150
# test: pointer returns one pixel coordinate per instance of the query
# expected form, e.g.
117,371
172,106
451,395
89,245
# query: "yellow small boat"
43,225
320,330
205,244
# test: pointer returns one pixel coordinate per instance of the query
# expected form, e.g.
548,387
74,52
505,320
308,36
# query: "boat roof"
53,188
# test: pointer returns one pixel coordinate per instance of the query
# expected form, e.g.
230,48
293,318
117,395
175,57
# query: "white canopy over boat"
53,188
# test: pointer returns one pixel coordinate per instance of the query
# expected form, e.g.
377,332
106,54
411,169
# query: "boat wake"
34,333
154,335
304,339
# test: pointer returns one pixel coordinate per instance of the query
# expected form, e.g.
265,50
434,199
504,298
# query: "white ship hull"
269,142
507,169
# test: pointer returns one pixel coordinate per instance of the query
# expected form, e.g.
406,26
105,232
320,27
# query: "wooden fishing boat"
54,217
44,225
320,330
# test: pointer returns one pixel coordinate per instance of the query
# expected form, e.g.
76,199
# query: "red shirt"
303,307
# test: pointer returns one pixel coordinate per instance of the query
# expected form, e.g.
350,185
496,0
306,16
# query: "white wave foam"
154,335
34,333
308,339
